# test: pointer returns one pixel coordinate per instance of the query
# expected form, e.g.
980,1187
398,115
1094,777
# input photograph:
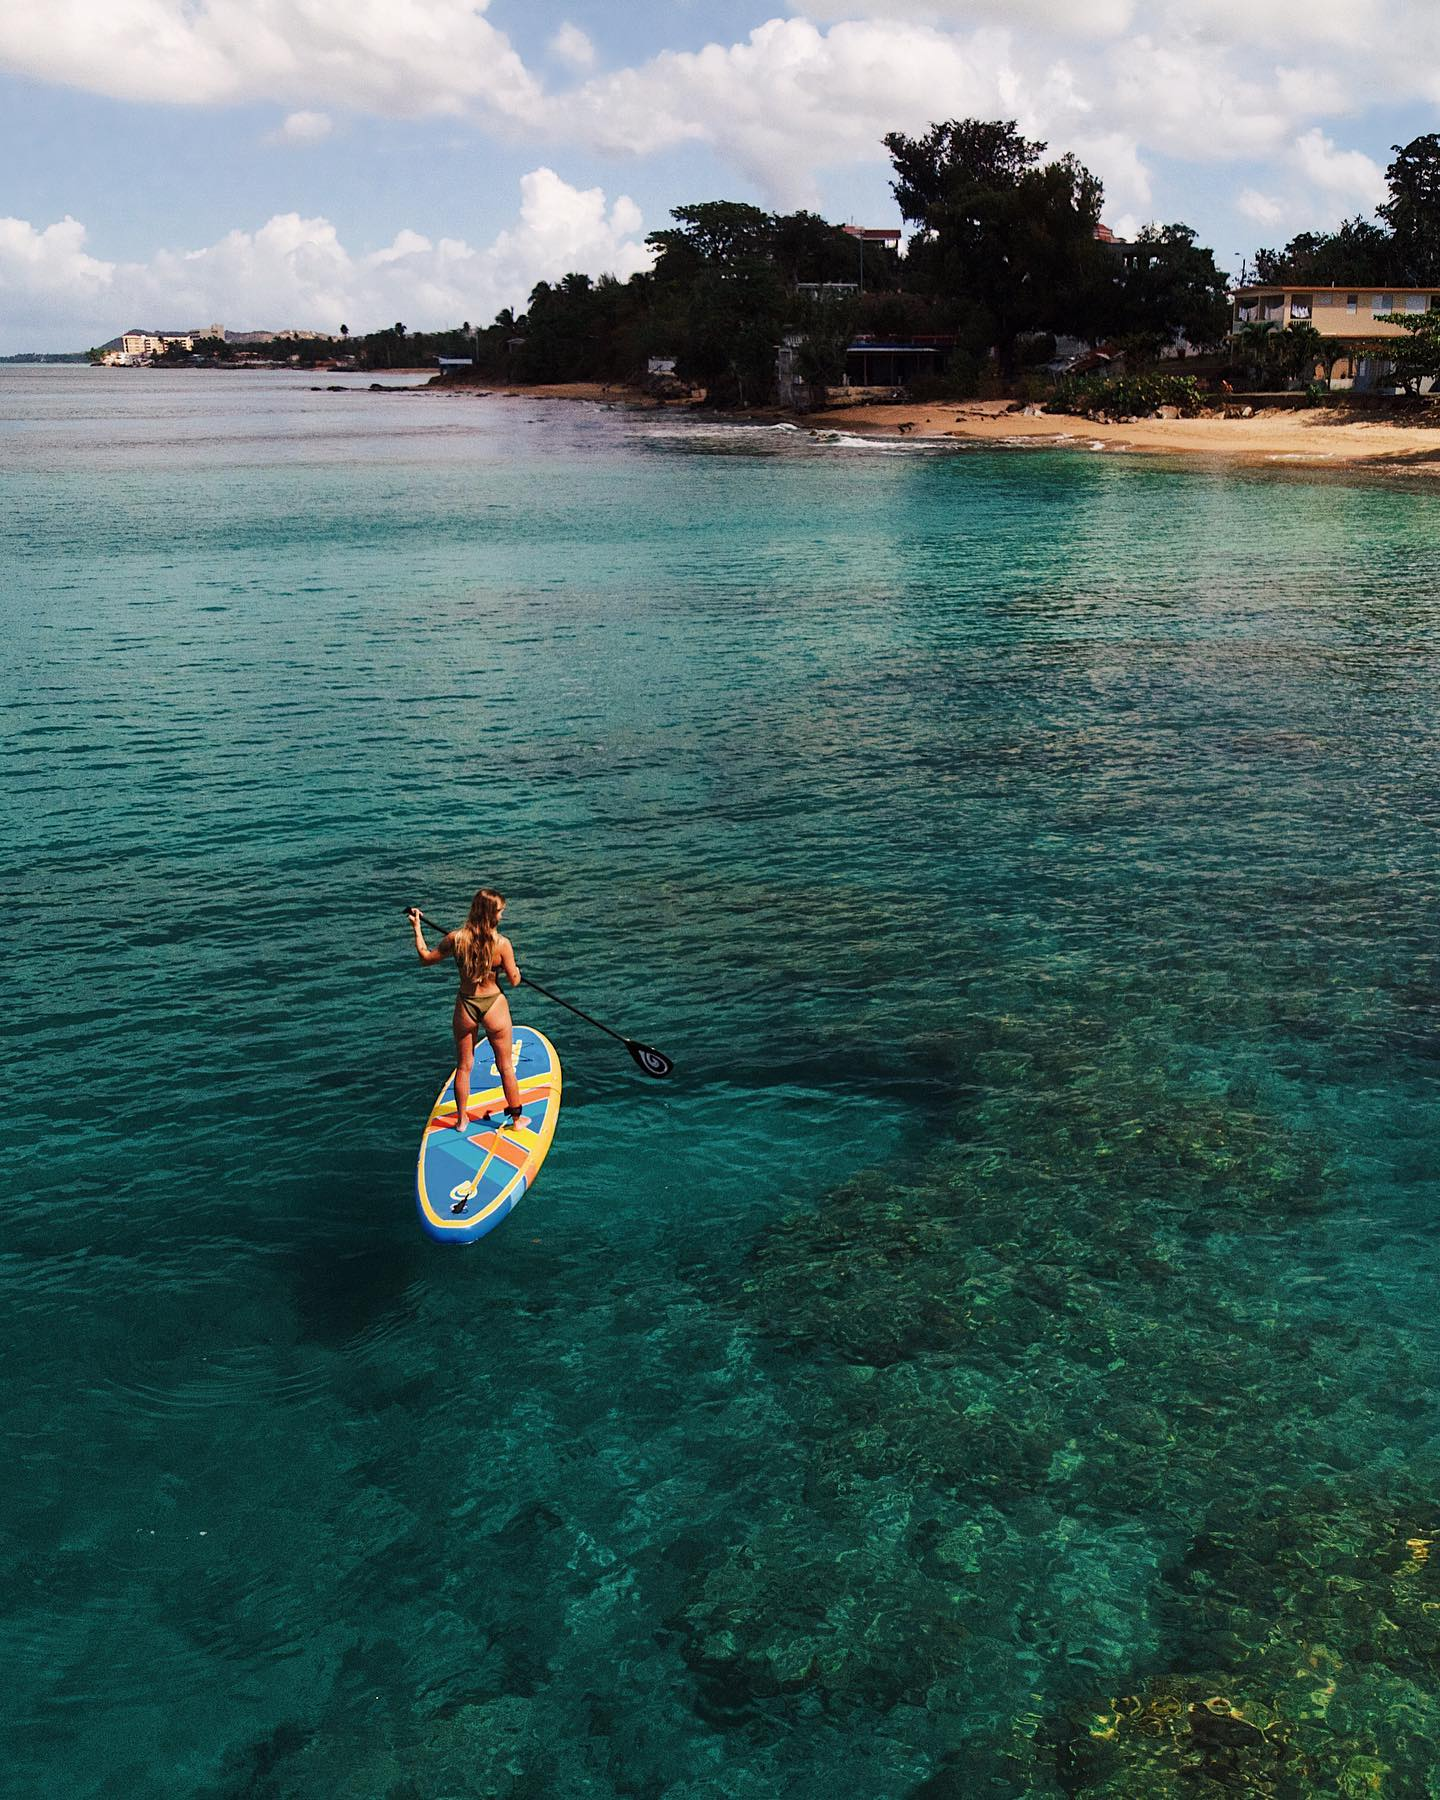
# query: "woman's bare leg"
498,1030
464,1057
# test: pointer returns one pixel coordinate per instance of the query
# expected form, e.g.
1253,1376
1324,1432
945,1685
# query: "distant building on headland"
142,345
137,345
1352,320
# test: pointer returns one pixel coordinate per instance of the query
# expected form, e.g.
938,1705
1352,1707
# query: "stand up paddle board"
467,1181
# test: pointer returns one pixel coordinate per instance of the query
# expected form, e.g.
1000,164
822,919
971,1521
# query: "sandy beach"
1329,436
1332,437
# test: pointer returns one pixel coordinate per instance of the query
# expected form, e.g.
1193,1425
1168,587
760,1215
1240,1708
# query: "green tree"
1416,356
714,233
981,152
734,319
1358,251
1008,242
1299,350
720,296
1413,210
1170,286
1254,343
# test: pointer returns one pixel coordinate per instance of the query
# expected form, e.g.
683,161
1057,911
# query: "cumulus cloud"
1312,184
1353,179
52,261
1260,208
296,271
303,128
1121,82
571,45
1097,19
794,98
790,98
405,58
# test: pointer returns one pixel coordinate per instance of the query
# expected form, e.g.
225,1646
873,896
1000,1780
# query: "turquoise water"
1002,1362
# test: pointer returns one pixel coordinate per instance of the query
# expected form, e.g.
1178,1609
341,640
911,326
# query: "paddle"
645,1056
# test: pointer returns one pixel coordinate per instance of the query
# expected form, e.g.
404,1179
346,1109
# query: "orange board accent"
501,1148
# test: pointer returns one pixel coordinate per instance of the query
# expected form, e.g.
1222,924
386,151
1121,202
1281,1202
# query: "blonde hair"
478,939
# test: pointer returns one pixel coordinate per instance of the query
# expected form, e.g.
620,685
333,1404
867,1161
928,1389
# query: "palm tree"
1301,351
1255,344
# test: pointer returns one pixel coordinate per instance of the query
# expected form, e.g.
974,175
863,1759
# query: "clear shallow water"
1053,832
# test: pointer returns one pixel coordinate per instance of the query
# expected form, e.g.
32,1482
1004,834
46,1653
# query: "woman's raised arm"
447,943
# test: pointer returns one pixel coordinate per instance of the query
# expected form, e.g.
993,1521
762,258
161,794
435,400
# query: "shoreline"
1319,437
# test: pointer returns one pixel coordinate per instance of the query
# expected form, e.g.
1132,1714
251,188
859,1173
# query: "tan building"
1354,317
136,345
1334,312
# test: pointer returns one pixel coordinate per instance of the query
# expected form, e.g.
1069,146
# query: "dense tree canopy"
1413,210
1005,240
1005,256
1170,285
1399,248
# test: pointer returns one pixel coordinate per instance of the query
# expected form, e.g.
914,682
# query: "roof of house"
856,349
1320,287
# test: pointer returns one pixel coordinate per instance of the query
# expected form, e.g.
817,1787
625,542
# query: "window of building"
1300,306
1381,303
1352,301
1272,306
1247,311
1324,299
1417,303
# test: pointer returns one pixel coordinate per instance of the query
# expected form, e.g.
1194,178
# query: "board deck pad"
467,1182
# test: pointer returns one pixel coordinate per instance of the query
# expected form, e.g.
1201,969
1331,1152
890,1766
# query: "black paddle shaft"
645,1056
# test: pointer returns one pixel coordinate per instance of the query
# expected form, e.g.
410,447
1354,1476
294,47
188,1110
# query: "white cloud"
1096,19
402,57
296,271
1312,185
303,128
791,99
1120,82
571,45
1353,179
52,261
1260,208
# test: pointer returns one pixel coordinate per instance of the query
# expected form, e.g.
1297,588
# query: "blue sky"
276,162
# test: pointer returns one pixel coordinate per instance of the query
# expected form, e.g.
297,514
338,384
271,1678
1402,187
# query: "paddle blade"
653,1062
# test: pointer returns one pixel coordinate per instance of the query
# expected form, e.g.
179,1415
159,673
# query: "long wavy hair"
478,938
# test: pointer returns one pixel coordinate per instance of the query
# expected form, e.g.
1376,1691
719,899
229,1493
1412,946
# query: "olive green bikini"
477,1005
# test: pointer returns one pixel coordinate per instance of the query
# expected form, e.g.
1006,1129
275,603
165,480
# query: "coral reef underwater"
1053,1406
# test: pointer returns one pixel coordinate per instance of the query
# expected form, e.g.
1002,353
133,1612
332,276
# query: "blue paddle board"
467,1181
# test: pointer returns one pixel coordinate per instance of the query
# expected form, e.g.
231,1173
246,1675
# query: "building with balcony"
137,345
1356,319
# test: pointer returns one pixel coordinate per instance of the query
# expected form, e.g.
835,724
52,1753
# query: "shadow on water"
340,1294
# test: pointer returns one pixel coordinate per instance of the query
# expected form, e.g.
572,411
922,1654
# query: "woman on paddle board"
481,954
